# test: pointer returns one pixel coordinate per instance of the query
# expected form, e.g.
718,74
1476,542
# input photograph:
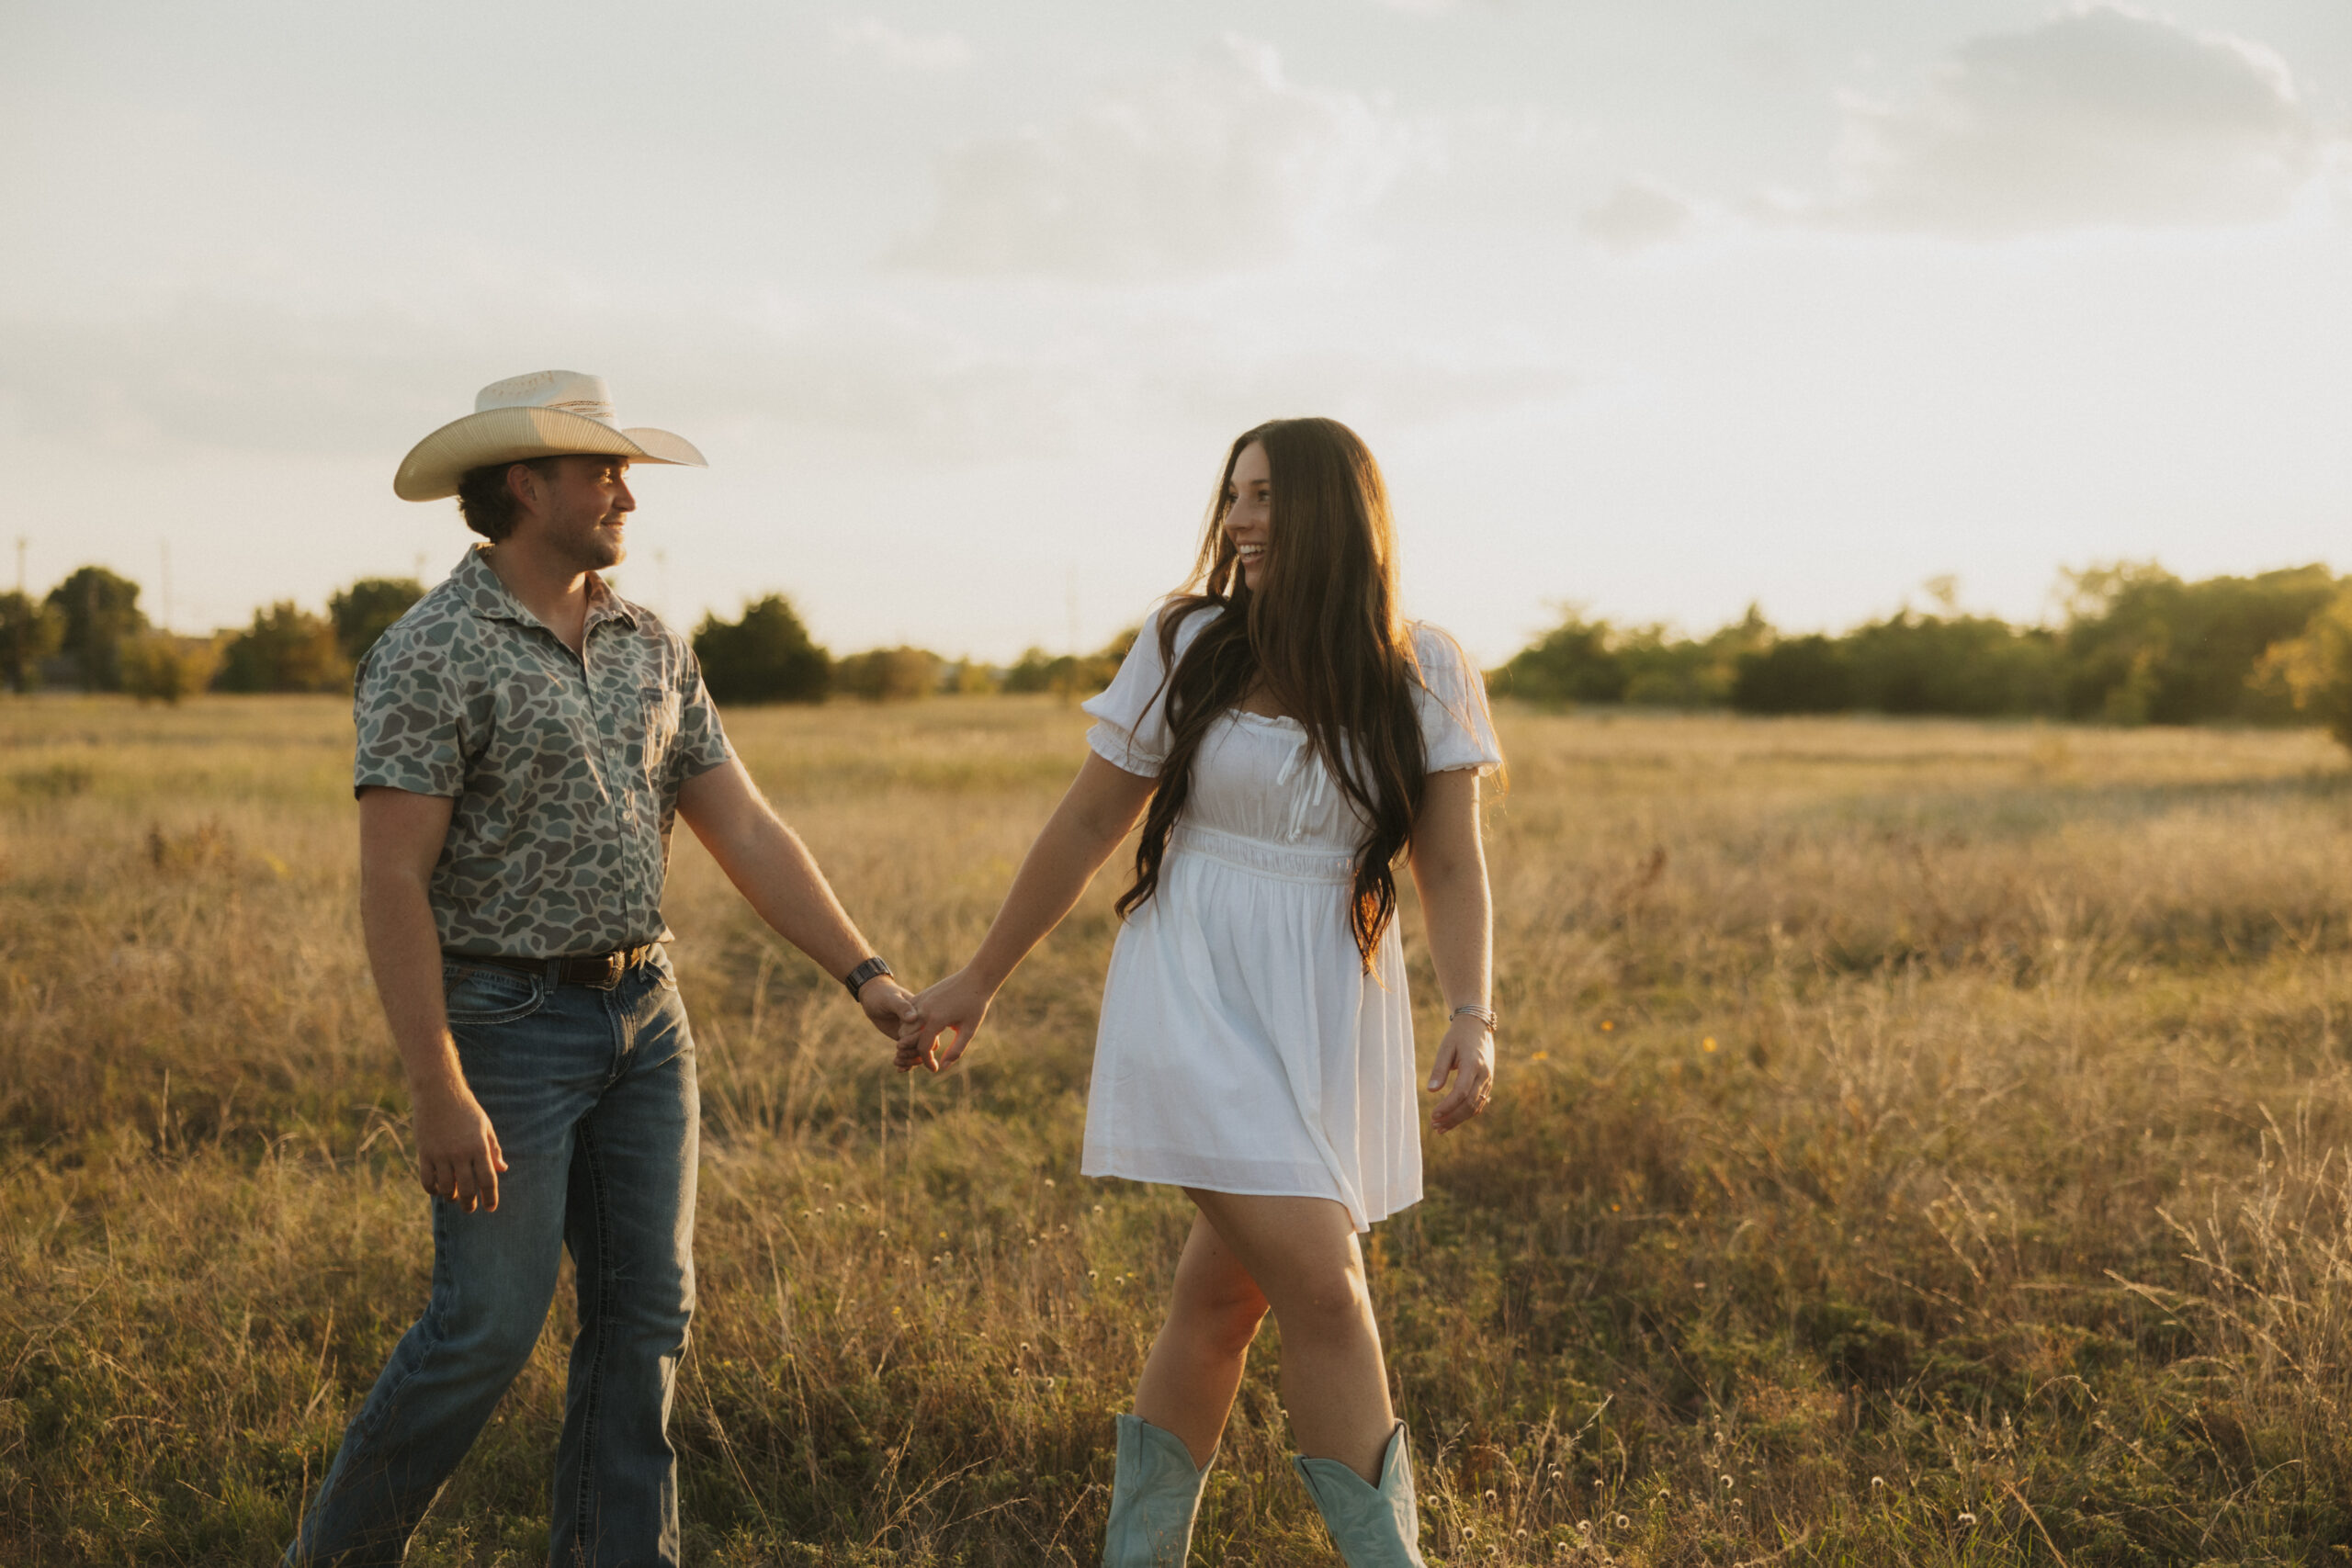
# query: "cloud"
903,50
1635,215
2101,117
1221,165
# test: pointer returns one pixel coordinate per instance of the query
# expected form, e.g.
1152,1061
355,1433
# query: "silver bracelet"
1484,1015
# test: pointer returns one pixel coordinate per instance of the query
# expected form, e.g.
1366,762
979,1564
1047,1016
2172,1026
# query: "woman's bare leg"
1301,1256
1195,1367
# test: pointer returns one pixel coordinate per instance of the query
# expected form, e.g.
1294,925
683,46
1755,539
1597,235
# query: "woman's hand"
1467,1056
954,1007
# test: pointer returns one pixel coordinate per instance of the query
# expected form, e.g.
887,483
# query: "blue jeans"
592,1097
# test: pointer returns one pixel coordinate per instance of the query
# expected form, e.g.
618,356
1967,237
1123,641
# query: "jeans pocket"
482,993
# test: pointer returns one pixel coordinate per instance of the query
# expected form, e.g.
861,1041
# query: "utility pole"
164,618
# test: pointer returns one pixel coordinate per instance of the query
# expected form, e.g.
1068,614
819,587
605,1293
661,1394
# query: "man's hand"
457,1157
956,1006
889,1006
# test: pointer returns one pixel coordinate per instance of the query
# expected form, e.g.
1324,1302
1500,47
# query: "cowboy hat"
545,415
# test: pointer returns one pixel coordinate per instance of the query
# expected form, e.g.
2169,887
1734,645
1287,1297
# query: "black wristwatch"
873,968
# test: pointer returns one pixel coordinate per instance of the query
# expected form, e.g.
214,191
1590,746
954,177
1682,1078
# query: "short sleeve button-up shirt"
565,768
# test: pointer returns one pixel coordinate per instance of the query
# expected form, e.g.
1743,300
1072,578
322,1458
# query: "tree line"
2134,645
88,633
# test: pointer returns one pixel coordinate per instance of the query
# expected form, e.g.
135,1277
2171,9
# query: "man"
525,737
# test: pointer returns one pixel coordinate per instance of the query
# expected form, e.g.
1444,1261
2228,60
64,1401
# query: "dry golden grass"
1918,1142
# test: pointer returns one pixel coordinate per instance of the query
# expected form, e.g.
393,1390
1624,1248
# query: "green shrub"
366,610
766,657
158,666
285,649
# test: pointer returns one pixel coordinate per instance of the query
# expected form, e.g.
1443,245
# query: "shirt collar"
484,595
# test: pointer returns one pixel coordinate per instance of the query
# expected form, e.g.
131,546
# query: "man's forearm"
404,955
780,879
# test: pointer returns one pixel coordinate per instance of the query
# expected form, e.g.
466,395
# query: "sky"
1656,308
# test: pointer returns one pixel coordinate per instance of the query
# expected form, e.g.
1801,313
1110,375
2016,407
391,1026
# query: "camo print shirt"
565,769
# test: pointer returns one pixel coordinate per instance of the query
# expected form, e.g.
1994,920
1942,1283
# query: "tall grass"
1917,1143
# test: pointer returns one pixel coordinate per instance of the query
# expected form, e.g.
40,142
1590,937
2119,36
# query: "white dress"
1242,1046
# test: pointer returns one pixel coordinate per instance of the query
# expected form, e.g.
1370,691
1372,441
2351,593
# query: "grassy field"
1915,1144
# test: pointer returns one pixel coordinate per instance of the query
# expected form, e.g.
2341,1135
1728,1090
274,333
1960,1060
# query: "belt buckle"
611,975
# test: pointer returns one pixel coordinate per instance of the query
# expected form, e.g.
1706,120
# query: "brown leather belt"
598,971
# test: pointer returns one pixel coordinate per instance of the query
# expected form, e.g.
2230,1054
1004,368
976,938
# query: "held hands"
1467,1056
955,1006
888,1006
457,1157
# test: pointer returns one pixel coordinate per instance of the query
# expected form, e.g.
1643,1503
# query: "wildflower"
1089,1273
1540,1057
1622,1522
1878,1482
1968,1519
1606,1023
1097,1208
1727,1480
1584,1527
1490,1493
1025,1345
1049,1181
1708,1044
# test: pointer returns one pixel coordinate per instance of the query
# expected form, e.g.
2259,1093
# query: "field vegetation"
1917,1142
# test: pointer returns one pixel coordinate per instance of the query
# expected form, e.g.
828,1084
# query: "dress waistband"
1262,858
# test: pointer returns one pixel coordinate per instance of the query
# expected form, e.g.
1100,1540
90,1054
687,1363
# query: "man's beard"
594,551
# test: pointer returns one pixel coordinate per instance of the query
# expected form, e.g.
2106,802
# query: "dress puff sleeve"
1457,731
1130,729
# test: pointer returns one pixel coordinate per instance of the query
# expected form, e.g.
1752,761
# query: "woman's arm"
1450,870
1101,805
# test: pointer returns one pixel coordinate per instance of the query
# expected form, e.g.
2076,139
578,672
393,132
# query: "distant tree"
1070,675
1666,671
2143,646
29,632
363,612
1974,666
158,666
1803,674
888,674
766,657
1572,663
98,610
2314,670
285,649
1595,661
968,678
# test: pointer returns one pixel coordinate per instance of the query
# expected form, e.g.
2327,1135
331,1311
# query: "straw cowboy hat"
545,415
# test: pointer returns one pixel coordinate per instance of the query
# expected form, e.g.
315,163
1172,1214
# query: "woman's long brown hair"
1321,635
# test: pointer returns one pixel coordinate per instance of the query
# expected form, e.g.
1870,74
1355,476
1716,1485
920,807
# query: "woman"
1284,734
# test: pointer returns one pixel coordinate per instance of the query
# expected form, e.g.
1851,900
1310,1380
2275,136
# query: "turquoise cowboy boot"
1373,1527
1153,1498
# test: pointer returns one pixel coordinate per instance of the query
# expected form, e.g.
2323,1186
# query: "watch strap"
873,968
